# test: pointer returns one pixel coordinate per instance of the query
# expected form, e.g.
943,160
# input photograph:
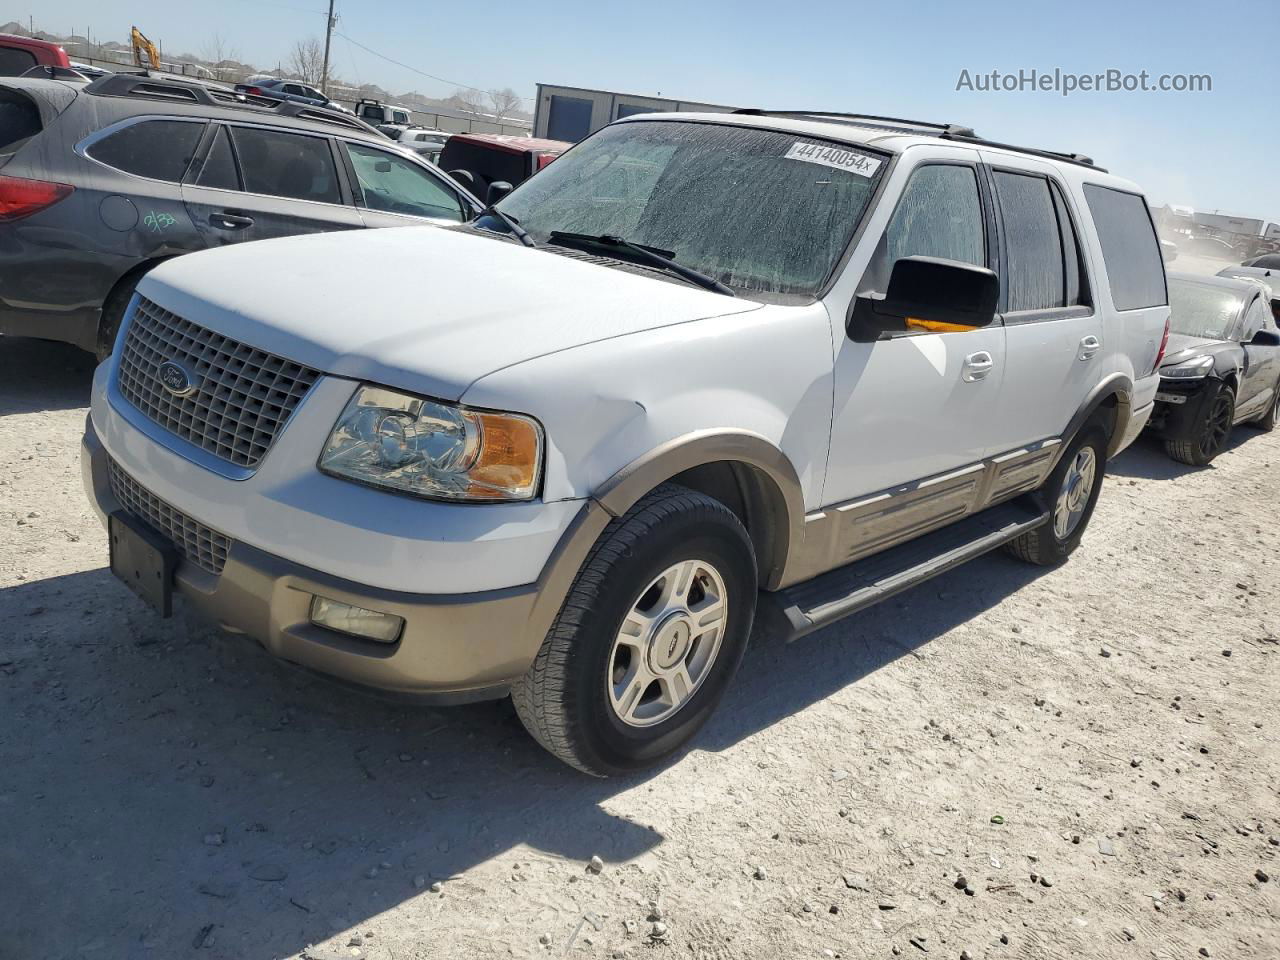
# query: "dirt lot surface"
1007,762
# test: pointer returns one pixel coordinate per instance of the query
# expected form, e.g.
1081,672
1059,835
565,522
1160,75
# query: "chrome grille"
243,395
203,546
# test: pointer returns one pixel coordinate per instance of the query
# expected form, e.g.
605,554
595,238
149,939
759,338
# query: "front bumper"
454,648
1180,409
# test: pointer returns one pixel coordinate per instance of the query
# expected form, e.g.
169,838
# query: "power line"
431,76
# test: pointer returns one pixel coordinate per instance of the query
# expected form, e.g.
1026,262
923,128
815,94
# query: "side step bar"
838,593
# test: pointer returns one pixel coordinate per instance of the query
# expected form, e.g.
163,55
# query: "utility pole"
328,38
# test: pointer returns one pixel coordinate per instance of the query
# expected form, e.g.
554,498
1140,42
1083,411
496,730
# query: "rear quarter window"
19,122
1135,268
15,62
159,149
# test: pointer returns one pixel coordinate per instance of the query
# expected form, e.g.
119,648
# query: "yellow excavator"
141,46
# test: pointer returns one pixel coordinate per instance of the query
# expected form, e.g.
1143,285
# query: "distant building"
571,113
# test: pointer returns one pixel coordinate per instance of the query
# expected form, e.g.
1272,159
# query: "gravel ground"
1006,762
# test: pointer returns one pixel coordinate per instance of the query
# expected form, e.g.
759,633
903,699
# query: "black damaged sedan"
1221,367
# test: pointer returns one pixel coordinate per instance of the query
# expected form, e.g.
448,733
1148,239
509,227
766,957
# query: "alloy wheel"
1217,426
667,644
1073,498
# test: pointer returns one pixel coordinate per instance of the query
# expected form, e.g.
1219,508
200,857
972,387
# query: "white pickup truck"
814,358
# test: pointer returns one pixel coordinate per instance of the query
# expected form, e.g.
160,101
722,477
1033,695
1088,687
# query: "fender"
1117,386
779,494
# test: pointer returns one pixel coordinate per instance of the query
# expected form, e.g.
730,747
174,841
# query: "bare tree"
306,61
223,57
504,101
468,100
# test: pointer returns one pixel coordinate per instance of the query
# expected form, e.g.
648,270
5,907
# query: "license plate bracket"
143,560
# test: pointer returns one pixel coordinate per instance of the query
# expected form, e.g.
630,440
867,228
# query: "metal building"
570,113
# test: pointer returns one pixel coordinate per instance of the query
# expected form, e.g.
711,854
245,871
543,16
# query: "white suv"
697,357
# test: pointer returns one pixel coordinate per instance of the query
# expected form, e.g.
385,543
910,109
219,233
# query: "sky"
1213,150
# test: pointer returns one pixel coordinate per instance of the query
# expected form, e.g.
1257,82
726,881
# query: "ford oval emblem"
175,378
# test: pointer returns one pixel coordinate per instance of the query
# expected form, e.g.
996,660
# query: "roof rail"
865,119
944,131
151,85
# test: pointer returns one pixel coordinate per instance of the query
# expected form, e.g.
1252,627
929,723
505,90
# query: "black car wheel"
1267,422
112,315
1211,433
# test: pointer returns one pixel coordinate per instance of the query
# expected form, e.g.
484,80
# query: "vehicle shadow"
42,375
166,777
1145,458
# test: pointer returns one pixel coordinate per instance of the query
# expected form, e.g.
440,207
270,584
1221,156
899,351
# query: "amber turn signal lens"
506,467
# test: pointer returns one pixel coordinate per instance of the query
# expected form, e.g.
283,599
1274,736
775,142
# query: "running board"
838,593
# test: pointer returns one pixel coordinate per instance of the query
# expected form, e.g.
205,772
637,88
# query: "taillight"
1164,342
255,92
545,159
20,198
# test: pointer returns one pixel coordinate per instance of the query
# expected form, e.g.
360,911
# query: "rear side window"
159,149
1130,250
14,62
19,122
286,165
220,166
1036,273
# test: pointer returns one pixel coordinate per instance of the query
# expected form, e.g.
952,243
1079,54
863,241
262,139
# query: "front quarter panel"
606,405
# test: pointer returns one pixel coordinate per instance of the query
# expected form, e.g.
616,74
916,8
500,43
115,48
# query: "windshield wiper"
511,223
652,256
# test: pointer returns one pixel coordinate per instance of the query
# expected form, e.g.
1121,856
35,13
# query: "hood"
1184,347
421,308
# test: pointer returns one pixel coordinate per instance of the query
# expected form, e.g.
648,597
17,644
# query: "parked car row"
699,366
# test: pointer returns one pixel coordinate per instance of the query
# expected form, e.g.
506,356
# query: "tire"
112,316
1267,422
573,697
1051,543
1211,433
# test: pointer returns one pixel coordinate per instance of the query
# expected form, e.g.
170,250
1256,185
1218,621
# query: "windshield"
761,211
1202,309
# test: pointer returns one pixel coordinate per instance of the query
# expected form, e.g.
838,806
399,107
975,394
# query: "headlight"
433,449
1188,369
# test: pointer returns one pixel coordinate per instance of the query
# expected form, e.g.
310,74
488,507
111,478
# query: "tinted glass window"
19,121
1135,269
1202,309
14,63
1034,245
395,185
373,115
286,165
160,149
1075,283
220,166
939,215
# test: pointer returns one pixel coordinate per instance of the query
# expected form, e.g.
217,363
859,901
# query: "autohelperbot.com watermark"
1066,83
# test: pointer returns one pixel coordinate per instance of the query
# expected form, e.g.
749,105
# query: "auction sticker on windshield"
836,157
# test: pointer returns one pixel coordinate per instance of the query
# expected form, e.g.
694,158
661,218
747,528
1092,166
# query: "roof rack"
866,119
151,85
943,131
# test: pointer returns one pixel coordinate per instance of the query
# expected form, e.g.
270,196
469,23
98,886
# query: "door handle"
230,221
977,366
1089,347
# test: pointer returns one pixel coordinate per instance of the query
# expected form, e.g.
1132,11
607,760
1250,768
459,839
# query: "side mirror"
927,293
1265,338
497,190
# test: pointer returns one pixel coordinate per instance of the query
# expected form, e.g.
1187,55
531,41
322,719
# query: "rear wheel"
1072,491
649,637
1211,433
1267,422
112,316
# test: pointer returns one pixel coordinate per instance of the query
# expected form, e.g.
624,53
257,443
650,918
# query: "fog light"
356,621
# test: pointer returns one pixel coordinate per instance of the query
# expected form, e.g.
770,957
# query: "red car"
476,160
20,54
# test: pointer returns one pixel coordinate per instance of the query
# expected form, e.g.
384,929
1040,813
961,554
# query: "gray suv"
101,182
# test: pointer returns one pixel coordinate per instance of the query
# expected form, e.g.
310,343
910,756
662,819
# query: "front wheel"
1072,491
651,633
1211,433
